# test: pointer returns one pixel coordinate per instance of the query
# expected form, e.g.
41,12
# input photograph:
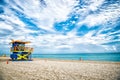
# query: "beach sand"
47,69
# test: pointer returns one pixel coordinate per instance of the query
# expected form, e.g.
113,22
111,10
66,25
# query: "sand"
40,69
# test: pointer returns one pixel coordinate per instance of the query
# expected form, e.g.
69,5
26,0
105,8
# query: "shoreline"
50,59
77,57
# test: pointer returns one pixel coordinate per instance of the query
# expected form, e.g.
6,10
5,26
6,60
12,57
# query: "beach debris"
7,62
4,55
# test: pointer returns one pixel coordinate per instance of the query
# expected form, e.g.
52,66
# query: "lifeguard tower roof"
19,41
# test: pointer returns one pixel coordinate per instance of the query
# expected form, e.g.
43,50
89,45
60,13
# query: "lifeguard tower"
20,51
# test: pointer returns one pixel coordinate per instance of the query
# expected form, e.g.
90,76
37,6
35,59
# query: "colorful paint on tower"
20,51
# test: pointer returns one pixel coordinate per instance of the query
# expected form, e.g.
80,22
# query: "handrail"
21,49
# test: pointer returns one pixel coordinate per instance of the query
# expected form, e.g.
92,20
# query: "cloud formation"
62,26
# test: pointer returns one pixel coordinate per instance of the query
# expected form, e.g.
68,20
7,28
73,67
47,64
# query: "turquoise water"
96,57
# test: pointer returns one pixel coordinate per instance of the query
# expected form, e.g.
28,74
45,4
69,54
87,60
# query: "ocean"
89,56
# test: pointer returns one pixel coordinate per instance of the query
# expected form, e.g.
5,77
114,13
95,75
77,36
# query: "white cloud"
56,10
110,13
95,4
5,26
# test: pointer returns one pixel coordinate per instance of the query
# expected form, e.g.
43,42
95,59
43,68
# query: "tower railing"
21,49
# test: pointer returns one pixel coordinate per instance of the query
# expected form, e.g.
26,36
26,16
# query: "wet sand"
40,69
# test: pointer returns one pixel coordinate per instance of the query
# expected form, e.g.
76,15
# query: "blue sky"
61,26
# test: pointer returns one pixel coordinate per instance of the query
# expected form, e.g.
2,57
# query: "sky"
61,26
